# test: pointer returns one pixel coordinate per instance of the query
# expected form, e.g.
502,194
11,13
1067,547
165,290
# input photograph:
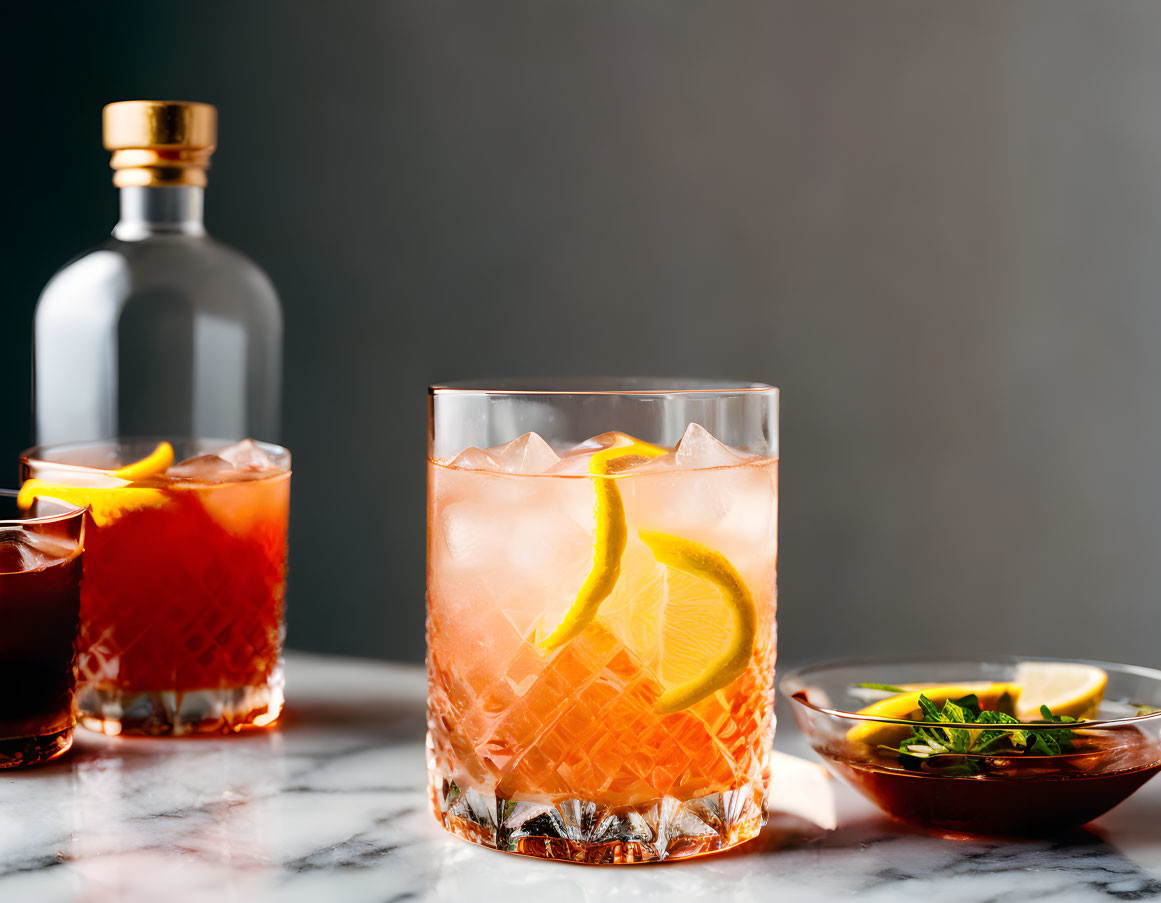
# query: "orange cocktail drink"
182,599
601,643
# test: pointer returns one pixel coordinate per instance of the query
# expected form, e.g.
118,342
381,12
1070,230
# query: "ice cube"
752,515
473,535
23,551
604,440
248,455
240,461
572,465
474,459
527,455
667,461
203,467
576,460
698,448
15,556
544,536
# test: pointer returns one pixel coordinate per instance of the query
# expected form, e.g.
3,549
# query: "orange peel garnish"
106,503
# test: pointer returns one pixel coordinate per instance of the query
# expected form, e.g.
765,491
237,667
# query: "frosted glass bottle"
160,331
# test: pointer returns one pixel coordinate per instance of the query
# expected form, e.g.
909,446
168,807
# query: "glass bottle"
161,330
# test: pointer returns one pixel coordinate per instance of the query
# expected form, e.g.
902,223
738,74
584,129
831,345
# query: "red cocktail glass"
182,604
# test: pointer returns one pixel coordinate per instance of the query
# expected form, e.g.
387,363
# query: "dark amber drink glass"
40,572
182,604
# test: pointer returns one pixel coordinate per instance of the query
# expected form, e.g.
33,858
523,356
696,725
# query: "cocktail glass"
182,603
601,615
40,573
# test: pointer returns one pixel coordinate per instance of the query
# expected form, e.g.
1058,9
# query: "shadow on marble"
388,719
1078,862
782,832
1141,819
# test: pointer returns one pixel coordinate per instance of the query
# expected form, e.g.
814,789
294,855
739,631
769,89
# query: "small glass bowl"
1114,753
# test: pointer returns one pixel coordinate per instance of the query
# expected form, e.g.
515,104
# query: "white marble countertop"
332,807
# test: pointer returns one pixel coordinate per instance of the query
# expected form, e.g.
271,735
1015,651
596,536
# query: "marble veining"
332,807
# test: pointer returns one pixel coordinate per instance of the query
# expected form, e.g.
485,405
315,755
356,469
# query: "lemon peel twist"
609,540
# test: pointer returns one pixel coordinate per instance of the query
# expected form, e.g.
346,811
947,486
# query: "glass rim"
798,676
38,452
632,386
71,512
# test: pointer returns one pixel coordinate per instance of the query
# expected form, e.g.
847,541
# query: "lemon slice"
609,540
106,502
708,564
1067,688
999,696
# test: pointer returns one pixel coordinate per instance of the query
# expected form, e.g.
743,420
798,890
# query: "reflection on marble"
332,807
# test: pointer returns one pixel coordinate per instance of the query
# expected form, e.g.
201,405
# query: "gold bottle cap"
160,142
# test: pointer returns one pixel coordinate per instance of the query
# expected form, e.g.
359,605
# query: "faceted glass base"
19,752
582,831
179,713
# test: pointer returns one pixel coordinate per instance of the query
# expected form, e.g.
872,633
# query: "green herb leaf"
971,702
930,712
989,740
961,750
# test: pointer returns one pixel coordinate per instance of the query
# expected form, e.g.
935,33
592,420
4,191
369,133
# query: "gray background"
936,226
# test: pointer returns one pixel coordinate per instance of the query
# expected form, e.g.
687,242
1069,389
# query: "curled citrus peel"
693,558
710,565
106,503
609,540
156,462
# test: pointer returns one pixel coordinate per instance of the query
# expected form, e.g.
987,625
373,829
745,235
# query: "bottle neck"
161,210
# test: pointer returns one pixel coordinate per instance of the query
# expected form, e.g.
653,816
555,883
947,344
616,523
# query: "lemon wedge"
609,540
1067,688
999,696
106,502
708,564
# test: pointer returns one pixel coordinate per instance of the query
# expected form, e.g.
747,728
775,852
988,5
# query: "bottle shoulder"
197,271
177,246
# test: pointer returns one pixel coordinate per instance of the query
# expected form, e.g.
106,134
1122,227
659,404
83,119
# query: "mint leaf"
991,740
957,751
930,712
991,716
971,702
958,712
1049,718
